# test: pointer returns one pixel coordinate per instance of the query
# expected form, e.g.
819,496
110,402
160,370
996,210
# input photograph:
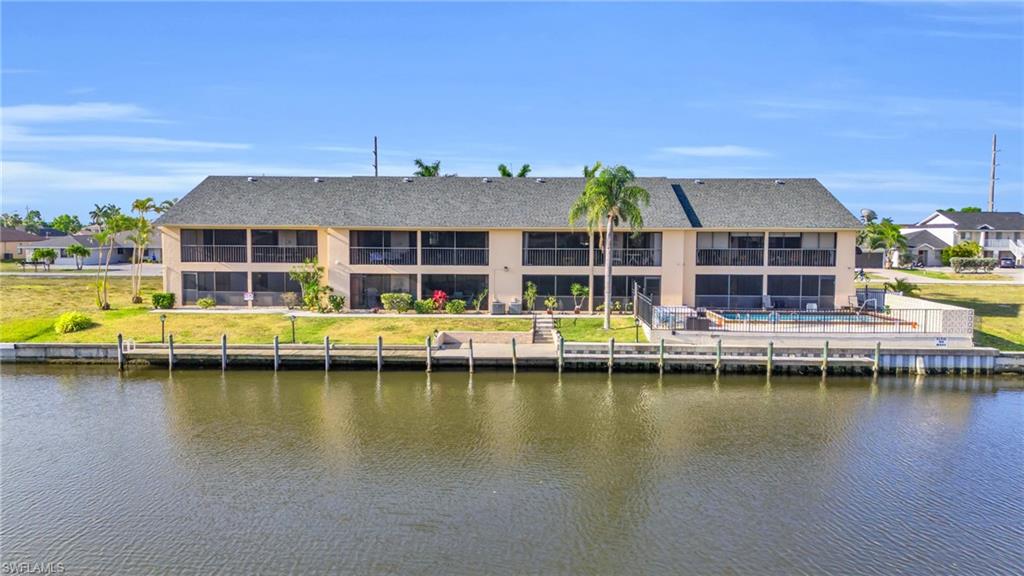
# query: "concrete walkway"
62,271
1013,276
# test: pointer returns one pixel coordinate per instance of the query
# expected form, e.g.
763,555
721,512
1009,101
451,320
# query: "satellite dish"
868,214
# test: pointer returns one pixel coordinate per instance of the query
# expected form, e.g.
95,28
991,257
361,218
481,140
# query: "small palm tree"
885,235
609,198
505,172
427,170
113,226
47,255
902,286
80,253
140,239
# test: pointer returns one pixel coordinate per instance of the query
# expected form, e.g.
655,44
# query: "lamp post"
163,318
292,318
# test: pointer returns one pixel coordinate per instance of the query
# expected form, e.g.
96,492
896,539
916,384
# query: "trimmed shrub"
424,306
336,302
455,306
206,302
961,250
290,299
163,300
973,264
397,301
71,322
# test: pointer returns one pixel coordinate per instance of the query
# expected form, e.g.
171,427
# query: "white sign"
247,296
940,342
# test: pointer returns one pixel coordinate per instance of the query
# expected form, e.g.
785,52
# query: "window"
227,288
622,289
788,240
267,288
366,288
793,291
213,237
559,286
728,291
456,286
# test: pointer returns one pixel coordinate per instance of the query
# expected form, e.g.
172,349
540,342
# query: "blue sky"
892,106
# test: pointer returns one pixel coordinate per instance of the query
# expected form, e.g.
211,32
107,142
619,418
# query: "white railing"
283,253
556,257
630,257
211,253
730,256
801,257
383,256
454,256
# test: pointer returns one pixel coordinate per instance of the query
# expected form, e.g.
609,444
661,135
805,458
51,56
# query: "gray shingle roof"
761,203
922,237
994,220
469,202
15,235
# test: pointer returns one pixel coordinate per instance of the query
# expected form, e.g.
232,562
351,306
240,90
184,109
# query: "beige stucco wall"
505,271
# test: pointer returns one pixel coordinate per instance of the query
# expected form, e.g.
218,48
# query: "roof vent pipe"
698,181
318,179
780,182
487,180
540,180
406,179
251,178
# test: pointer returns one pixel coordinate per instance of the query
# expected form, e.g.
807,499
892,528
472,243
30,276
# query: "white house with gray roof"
724,243
1000,234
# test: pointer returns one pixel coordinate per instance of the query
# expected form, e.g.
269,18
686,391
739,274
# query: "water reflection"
503,473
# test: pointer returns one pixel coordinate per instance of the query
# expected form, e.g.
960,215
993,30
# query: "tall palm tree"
113,226
505,172
164,206
609,198
428,170
140,238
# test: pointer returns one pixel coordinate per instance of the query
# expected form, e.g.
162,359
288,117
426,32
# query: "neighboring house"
123,249
724,243
925,247
1000,234
13,242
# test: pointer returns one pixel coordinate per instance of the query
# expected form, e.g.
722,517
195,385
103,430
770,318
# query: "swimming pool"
798,316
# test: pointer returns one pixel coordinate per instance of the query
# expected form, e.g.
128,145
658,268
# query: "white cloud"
725,151
79,112
15,138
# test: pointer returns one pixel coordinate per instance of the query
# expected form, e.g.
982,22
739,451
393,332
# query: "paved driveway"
1013,276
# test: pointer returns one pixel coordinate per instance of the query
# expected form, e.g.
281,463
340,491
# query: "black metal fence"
902,321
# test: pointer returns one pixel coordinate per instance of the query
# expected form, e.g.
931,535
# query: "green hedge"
973,264
71,322
397,301
455,306
424,306
163,300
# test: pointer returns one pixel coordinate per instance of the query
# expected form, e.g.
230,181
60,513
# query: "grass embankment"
953,276
998,310
589,329
29,305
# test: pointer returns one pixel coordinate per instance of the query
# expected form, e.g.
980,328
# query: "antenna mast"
375,160
992,179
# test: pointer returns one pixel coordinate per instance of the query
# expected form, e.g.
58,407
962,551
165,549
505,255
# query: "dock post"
429,354
771,352
919,366
824,358
277,353
878,355
561,352
223,352
470,355
611,354
120,352
661,356
327,353
718,357
170,351
380,353
513,355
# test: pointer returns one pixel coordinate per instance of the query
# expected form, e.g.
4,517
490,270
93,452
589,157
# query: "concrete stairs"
544,329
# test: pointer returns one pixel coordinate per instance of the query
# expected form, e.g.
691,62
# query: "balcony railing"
454,256
556,257
212,253
283,253
730,257
801,257
630,257
383,256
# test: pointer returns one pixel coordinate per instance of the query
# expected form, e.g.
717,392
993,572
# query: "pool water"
815,317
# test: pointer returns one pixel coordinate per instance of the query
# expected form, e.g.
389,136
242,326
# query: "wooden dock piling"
327,353
380,353
661,356
277,353
470,355
429,355
561,352
120,352
824,358
771,353
223,352
718,357
170,351
513,355
611,354
878,355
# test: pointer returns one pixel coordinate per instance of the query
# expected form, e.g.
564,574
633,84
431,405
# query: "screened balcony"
556,249
213,245
283,245
730,249
454,249
802,249
629,250
383,247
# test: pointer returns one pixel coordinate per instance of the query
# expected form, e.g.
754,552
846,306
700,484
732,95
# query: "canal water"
298,472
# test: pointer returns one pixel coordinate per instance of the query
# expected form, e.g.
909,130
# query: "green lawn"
29,305
590,329
952,276
998,310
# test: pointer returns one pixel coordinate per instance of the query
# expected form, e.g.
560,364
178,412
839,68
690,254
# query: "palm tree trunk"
106,270
608,275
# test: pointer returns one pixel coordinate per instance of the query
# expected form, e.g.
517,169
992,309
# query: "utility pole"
992,179
376,164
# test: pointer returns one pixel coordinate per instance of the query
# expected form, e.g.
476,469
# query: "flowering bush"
440,299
